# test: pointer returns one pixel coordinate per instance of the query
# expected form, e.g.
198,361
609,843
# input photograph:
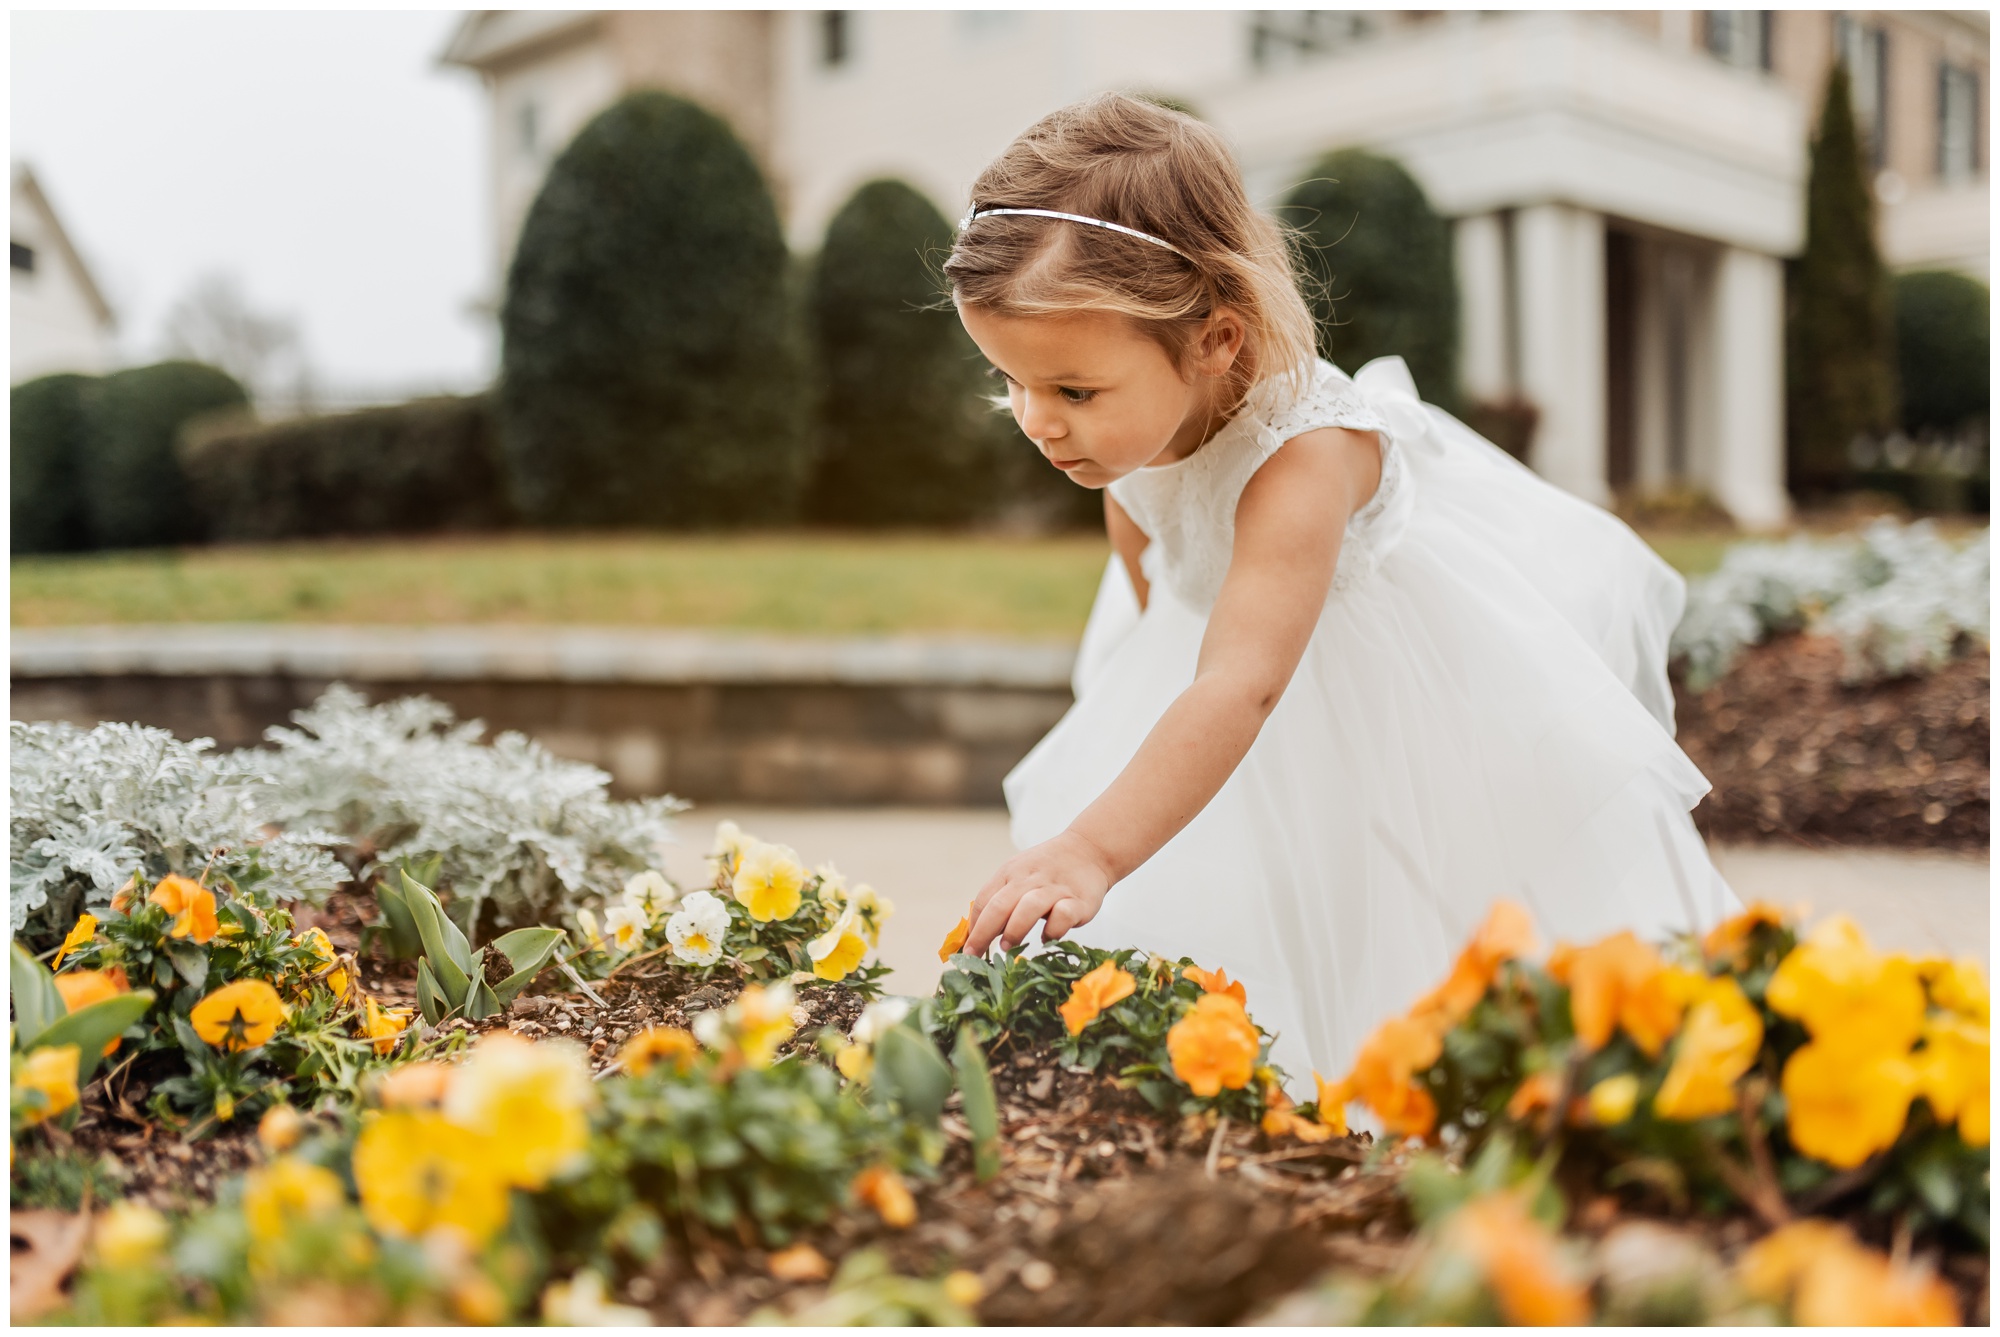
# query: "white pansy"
627,927
696,931
587,922
730,842
583,1302
832,886
708,1028
878,1017
650,893
875,910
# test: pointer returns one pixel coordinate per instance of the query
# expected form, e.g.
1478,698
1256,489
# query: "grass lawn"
807,583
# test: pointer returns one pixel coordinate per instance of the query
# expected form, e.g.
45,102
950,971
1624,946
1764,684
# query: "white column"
1559,256
1482,306
1747,371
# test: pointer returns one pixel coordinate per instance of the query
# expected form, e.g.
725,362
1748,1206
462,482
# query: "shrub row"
93,461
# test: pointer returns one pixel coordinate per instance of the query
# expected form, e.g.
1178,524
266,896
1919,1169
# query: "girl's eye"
999,375
1078,396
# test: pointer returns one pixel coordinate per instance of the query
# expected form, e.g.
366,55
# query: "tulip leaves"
451,977
41,1021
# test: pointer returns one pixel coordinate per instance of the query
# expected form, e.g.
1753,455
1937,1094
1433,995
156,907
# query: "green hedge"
423,467
650,368
904,431
1943,350
94,460
47,426
1378,268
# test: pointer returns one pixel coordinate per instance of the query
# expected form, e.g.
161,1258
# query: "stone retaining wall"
709,716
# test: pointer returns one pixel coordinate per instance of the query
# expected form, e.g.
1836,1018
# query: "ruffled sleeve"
1334,400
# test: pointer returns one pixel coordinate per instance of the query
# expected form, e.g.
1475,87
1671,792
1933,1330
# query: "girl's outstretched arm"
1288,528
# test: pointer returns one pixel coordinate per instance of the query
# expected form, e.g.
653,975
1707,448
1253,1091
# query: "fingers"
1067,914
1027,911
988,920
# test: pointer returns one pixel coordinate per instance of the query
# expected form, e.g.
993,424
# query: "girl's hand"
1062,880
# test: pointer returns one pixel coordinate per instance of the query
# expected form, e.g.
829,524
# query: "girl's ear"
1220,342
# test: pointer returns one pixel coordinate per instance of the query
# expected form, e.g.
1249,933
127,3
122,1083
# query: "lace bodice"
1188,509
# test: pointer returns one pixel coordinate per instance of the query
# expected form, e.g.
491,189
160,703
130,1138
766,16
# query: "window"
836,38
1864,50
22,257
528,128
1958,122
1740,37
1281,38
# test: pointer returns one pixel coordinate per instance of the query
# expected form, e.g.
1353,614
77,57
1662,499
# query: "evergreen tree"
905,432
1840,363
650,368
1943,348
1377,264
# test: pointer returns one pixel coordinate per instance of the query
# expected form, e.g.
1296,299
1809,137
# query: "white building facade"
57,318
1624,186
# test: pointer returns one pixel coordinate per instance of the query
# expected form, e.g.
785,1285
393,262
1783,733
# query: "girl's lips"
1065,465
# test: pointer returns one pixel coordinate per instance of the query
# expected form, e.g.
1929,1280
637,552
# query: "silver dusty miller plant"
521,833
1897,599
88,808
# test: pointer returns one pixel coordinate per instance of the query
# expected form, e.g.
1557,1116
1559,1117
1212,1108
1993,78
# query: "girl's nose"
1038,424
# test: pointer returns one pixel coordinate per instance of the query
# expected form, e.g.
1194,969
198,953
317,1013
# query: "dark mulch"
1795,754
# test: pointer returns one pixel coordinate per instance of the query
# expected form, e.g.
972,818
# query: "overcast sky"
324,161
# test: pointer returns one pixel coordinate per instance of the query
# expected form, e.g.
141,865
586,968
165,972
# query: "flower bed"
1619,1131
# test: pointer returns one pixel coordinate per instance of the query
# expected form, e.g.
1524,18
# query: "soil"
1794,754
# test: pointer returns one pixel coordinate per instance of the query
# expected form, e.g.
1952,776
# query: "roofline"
24,180
463,49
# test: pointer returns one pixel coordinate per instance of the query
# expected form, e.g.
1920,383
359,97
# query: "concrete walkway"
930,862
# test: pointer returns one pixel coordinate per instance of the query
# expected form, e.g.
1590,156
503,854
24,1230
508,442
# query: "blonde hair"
1126,161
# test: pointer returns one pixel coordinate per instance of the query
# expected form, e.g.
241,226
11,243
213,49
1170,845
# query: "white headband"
1078,218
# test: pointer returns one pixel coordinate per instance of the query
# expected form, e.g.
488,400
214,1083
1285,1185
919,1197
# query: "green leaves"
37,1005
95,1026
451,977
982,1108
910,1073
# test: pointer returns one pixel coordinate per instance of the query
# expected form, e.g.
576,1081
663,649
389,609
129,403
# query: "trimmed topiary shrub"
650,368
1840,368
905,432
46,423
134,494
424,467
1377,264
1943,347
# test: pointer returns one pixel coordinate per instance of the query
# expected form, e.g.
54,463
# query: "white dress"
1482,713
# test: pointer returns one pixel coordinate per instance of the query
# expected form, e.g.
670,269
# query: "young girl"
1353,673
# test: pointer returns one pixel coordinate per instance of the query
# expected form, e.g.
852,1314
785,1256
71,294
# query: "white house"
59,320
1625,185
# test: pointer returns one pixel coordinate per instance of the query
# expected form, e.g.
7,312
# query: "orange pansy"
883,1189
1332,1098
1093,993
1383,1072
81,988
1537,1092
191,904
955,939
1217,981
1214,1045
1621,983
1520,1258
1727,940
1507,933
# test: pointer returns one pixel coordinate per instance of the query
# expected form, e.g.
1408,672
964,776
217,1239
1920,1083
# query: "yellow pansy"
875,909
85,930
48,1079
836,952
658,1044
1829,1279
286,1191
129,1234
1955,1069
1843,1105
323,953
1848,994
769,883
730,844
384,1025
1612,1100
763,1018
238,1016
855,1062
1717,1045
281,1128
528,1099
1959,986
418,1172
